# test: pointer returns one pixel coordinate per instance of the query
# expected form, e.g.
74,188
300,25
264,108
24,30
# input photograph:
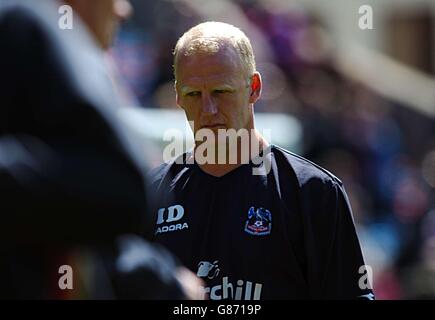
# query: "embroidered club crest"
259,222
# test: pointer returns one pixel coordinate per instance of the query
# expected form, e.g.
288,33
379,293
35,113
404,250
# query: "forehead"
198,68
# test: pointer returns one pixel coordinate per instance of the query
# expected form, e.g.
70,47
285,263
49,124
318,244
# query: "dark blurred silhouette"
71,175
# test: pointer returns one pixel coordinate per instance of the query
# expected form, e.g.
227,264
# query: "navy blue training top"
287,234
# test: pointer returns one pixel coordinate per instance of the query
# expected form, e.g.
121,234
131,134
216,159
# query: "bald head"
213,37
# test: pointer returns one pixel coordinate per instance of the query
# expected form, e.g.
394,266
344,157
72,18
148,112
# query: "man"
71,175
279,228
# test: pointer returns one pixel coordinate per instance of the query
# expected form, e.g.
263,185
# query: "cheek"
191,110
236,107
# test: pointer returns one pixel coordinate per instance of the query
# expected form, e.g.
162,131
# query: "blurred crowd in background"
381,146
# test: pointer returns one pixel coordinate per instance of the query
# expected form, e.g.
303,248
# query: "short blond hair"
209,37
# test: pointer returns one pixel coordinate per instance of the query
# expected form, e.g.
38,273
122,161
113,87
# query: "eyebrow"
224,87
186,89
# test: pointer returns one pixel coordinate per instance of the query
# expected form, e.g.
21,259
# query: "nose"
208,105
123,9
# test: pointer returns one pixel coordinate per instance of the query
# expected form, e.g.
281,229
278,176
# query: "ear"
255,87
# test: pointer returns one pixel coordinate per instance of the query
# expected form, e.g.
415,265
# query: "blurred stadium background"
361,103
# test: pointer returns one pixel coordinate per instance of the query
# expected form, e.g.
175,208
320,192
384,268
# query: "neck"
234,155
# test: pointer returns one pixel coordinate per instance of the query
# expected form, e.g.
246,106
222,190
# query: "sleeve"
335,264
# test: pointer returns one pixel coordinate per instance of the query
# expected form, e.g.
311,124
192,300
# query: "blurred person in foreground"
71,175
254,221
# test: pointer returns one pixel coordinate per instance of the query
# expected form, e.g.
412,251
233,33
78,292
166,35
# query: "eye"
220,91
193,94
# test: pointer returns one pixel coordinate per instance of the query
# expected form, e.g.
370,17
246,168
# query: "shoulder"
17,9
28,36
167,170
305,173
18,26
24,19
157,174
